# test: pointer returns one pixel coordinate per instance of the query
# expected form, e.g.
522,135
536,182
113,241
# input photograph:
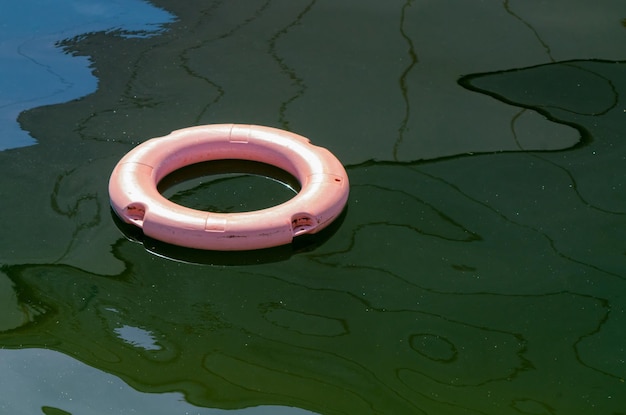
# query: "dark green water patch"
229,186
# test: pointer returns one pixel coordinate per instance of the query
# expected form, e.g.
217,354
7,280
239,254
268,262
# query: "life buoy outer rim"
136,200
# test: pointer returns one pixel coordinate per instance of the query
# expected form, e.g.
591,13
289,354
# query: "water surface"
479,267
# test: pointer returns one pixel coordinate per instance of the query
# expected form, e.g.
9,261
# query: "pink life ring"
136,200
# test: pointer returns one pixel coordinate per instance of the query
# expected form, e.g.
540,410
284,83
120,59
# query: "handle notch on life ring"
302,223
135,212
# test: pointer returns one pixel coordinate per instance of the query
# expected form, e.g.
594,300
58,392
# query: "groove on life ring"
136,200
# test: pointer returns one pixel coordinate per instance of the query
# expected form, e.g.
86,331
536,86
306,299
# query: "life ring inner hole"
229,186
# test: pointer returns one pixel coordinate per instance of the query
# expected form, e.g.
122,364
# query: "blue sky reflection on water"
29,32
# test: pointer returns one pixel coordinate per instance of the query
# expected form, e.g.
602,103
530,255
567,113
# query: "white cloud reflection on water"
32,379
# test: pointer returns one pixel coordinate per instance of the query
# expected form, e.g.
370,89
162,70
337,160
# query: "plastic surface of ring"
136,200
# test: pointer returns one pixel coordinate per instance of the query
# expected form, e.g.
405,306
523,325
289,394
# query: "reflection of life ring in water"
136,200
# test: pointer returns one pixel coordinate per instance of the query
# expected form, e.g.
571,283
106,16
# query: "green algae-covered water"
480,266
